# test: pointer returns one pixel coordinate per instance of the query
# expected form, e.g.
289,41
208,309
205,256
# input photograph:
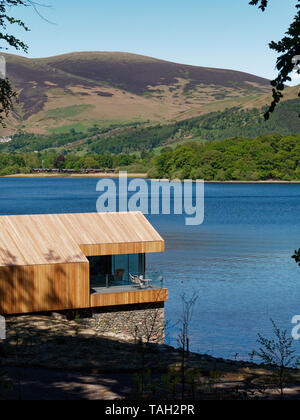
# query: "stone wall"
131,323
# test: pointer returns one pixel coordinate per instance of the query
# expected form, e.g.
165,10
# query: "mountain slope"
135,137
139,74
78,90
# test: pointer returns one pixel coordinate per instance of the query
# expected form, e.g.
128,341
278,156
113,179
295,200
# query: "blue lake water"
239,261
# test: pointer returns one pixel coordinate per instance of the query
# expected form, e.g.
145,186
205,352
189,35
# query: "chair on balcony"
140,281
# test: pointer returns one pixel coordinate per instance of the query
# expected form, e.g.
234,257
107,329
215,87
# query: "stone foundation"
131,323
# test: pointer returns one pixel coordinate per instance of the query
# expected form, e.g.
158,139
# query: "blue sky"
215,33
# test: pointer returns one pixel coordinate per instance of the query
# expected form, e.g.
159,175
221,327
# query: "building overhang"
30,240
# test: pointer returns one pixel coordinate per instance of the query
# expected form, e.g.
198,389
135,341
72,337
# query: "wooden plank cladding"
122,248
44,288
128,298
63,238
44,265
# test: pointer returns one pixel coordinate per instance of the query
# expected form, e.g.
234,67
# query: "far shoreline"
139,175
62,175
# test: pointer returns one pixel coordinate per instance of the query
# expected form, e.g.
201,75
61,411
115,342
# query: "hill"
79,90
137,137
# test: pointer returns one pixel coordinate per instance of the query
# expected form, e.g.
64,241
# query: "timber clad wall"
129,298
122,248
44,265
44,288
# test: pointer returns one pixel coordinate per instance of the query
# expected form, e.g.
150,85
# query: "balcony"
128,282
116,290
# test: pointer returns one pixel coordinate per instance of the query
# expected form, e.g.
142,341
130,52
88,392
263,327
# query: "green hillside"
137,137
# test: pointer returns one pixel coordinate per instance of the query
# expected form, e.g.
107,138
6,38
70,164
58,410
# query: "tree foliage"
24,163
296,256
288,48
278,353
7,94
239,159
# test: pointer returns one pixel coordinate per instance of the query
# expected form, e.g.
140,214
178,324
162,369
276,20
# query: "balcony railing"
135,281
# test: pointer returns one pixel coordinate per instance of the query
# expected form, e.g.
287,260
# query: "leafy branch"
7,95
277,352
289,49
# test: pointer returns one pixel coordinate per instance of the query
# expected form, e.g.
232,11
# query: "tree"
296,256
60,162
7,95
289,50
278,353
90,163
188,305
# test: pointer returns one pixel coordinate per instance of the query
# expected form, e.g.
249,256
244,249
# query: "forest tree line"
242,159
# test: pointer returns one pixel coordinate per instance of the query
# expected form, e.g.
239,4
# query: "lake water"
239,261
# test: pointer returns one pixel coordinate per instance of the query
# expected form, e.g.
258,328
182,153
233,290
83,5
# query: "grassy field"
67,112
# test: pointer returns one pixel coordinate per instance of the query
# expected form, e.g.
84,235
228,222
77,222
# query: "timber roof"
63,238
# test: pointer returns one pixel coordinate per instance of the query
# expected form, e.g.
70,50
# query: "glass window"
115,269
99,268
130,264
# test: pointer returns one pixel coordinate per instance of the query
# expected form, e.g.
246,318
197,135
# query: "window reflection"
115,269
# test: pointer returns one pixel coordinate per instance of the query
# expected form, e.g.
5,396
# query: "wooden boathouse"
77,261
